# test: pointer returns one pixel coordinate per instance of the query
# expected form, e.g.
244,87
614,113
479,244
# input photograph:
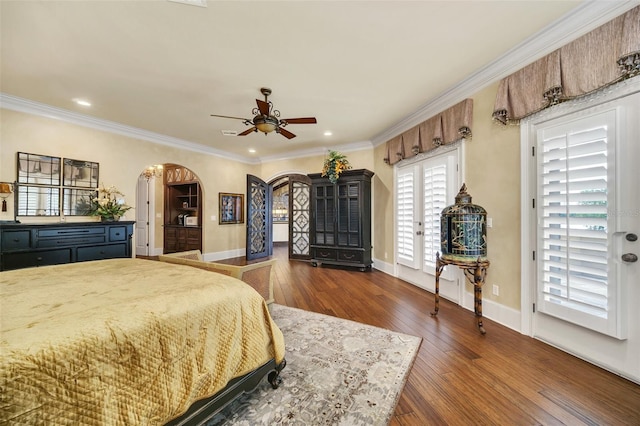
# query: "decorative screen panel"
300,207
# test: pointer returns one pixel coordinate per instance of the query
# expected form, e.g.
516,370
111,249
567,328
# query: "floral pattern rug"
338,372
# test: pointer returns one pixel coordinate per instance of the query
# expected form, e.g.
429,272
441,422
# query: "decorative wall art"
231,208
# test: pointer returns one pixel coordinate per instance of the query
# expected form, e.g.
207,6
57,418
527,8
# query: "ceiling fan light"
265,124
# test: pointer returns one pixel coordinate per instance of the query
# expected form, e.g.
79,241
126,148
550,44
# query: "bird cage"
463,229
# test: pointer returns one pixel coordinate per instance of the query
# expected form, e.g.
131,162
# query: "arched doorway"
182,216
169,210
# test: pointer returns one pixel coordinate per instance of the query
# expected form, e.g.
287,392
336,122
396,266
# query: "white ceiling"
365,69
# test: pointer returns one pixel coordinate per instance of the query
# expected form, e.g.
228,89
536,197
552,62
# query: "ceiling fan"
267,119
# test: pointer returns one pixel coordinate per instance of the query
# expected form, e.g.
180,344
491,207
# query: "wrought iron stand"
475,271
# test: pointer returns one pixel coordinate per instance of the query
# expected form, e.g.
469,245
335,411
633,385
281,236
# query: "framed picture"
231,208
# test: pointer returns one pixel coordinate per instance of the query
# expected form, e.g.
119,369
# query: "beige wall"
362,159
493,179
492,175
122,159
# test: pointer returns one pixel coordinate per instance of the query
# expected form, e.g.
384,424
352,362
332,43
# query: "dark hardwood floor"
461,377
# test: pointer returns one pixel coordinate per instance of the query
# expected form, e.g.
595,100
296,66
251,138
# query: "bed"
129,341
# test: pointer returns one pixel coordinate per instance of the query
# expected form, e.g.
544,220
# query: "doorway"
582,174
424,186
145,215
292,213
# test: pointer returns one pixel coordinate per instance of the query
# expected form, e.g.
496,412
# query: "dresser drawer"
16,240
101,252
324,254
118,233
70,241
350,256
38,258
70,232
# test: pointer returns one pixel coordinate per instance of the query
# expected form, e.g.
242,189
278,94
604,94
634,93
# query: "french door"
423,188
259,218
584,223
299,217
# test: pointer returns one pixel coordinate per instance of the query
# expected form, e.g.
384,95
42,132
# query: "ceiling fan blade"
305,120
246,132
263,107
287,134
226,116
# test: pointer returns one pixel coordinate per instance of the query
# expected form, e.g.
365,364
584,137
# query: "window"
423,188
435,199
575,193
405,206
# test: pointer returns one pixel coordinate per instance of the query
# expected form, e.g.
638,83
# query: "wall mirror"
77,202
42,180
38,200
38,169
38,185
81,174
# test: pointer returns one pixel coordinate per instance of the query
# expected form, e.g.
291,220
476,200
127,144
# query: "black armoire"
341,219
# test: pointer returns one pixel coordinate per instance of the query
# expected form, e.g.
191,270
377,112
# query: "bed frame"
201,411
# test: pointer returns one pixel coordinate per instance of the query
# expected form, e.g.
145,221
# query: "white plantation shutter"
405,216
435,199
575,192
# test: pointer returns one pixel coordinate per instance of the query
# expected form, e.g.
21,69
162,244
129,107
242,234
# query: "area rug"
338,372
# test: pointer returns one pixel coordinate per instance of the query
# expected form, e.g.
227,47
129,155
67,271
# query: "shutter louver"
573,222
435,196
405,216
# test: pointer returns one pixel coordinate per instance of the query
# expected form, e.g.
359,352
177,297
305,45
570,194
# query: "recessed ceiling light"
82,102
328,133
251,150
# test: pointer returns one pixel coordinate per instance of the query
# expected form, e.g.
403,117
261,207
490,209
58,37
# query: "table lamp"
5,191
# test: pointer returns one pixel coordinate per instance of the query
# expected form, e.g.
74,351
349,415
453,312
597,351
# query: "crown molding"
36,108
321,150
584,18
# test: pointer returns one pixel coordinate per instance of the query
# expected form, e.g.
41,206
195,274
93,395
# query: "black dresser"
341,219
27,245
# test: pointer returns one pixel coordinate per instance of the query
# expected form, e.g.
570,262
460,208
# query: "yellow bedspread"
124,341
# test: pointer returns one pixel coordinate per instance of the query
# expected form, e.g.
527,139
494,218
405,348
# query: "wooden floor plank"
461,377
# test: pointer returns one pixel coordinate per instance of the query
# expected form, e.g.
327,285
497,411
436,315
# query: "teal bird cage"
463,230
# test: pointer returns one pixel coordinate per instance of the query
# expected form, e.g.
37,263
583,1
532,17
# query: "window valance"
445,128
602,57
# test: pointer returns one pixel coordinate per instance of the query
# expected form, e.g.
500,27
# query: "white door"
142,217
423,188
587,220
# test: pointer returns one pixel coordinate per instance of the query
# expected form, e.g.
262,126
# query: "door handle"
629,257
631,237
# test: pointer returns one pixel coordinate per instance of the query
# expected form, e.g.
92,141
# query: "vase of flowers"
335,164
108,204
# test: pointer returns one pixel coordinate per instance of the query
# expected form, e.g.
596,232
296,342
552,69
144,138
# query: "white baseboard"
157,251
385,267
501,314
